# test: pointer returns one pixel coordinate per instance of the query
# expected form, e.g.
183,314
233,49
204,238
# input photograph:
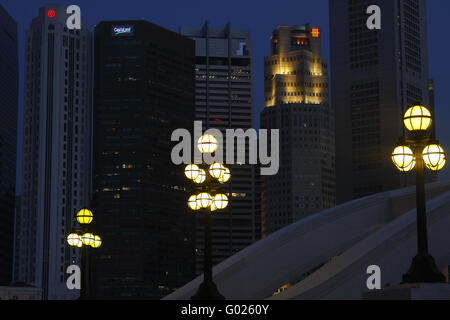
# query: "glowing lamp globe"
204,200
192,171
220,201
201,177
434,157
84,216
417,118
87,238
225,176
192,203
403,158
410,167
207,144
73,240
216,170
97,242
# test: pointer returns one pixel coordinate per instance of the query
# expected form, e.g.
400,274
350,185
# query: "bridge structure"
326,255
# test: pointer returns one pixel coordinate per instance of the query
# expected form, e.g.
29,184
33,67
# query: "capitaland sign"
122,30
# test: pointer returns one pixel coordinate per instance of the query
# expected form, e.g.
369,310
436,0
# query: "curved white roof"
339,244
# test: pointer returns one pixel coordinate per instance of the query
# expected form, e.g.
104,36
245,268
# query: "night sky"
261,17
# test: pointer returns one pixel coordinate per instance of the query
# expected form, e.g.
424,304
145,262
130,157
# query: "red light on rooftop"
51,13
218,120
315,32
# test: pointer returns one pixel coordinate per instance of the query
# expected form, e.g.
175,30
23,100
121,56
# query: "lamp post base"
208,291
423,270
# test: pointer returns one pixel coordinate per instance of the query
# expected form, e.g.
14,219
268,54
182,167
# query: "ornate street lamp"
220,201
201,177
97,242
84,216
80,237
73,239
87,238
434,157
209,202
192,171
207,144
415,151
216,170
225,177
403,158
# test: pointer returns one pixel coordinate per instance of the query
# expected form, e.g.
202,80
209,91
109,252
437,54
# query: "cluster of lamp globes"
207,144
418,120
84,217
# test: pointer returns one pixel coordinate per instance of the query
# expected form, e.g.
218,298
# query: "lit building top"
295,72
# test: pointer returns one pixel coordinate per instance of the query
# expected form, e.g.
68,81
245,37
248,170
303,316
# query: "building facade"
376,76
9,90
296,103
56,162
20,291
144,90
224,100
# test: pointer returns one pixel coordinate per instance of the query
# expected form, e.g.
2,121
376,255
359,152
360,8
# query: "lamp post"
418,150
81,237
208,199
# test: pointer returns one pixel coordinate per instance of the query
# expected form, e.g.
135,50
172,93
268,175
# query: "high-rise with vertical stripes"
376,75
224,100
56,150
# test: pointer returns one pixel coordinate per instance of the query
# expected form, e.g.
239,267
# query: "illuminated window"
315,32
300,41
238,195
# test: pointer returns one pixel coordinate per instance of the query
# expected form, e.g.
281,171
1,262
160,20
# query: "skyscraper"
56,150
296,103
9,86
224,100
144,90
376,75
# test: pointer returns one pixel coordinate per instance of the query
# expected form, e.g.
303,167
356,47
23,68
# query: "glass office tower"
144,89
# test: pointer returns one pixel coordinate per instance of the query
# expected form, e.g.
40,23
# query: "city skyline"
260,26
96,115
